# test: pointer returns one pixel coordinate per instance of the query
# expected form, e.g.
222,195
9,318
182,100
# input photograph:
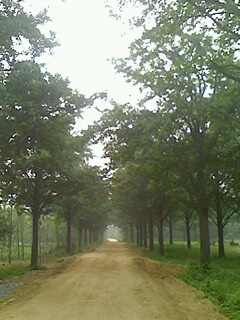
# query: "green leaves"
20,36
187,58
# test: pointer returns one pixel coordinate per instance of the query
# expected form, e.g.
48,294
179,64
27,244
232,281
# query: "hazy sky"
88,37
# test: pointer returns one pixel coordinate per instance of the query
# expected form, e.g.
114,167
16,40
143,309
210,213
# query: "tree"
177,61
39,111
82,201
70,198
94,211
20,36
217,19
225,173
136,150
5,226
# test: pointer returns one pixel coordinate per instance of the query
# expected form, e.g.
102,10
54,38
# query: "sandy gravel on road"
112,283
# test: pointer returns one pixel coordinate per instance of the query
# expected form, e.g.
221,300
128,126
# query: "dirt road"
111,283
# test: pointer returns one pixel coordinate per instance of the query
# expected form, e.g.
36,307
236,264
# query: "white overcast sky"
88,37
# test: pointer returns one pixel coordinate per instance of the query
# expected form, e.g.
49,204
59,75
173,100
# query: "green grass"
19,268
220,285
220,282
11,270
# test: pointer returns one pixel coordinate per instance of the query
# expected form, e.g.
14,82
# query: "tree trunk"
69,236
34,254
132,232
188,232
79,237
101,233
90,235
57,233
69,219
195,232
220,226
85,236
69,233
202,208
160,237
221,250
95,234
10,237
10,248
145,235
18,238
141,235
170,223
150,232
22,236
138,234
35,219
204,239
125,233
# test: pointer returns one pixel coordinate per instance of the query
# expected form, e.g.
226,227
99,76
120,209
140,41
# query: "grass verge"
12,270
8,271
220,282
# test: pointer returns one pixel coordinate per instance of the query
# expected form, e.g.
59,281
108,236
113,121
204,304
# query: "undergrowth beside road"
220,282
18,268
10,270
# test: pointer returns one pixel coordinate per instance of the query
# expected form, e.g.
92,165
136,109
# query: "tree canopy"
39,154
187,61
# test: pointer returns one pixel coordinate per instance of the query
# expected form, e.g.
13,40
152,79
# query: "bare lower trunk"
79,237
145,235
170,230
141,235
90,235
95,234
188,232
150,233
85,236
22,236
204,239
132,232
138,235
221,250
10,238
220,228
34,254
69,234
18,239
160,237
126,232
202,209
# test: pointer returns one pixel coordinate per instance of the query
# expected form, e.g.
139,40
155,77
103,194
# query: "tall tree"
38,110
179,60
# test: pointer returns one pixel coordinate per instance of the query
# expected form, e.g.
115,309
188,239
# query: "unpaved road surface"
112,283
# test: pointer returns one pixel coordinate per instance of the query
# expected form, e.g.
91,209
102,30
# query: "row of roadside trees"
42,162
176,162
180,160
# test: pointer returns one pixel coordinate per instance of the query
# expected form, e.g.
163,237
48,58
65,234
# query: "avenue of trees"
172,158
43,168
179,161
